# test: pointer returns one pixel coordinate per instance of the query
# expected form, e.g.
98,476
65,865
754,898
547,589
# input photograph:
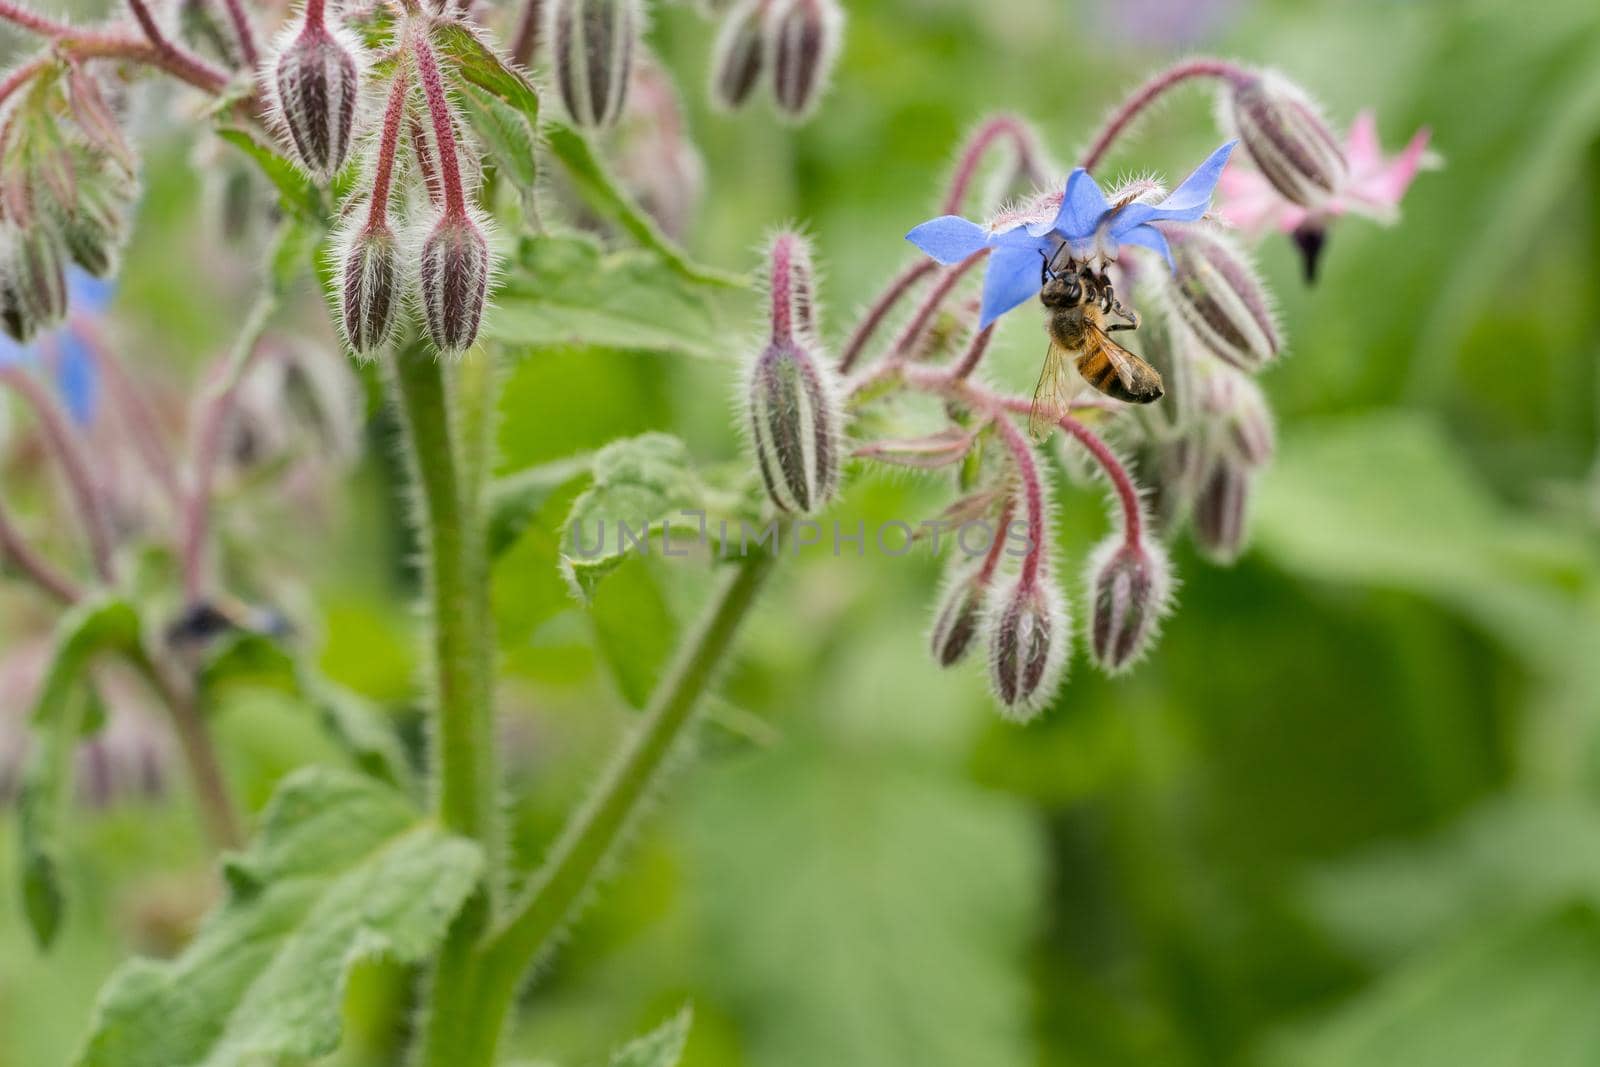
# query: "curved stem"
444,131
21,74
976,348
1147,94
595,831
15,549
199,753
1032,497
892,294
781,288
1127,492
986,136
74,465
935,299
143,425
174,57
196,537
28,19
388,145
245,32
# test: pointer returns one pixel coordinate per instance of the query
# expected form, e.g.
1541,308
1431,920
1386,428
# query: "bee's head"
1061,290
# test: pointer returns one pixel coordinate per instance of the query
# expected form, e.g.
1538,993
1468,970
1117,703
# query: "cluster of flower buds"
794,43
791,396
67,183
441,254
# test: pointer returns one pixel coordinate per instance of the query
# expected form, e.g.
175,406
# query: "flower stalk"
1151,91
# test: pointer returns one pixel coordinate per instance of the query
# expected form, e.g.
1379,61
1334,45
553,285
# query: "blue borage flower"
67,351
1087,223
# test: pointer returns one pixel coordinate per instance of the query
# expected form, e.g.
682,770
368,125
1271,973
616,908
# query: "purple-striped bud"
453,279
1130,589
804,38
1220,508
1220,298
33,287
592,43
1240,412
315,88
1169,470
959,617
1288,138
369,288
1029,634
739,54
794,423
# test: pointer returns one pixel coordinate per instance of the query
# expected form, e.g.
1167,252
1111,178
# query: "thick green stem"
466,792
594,832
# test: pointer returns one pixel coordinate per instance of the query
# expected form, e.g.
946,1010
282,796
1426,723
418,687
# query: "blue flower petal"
949,239
77,377
1013,277
1149,237
1186,203
12,353
1083,205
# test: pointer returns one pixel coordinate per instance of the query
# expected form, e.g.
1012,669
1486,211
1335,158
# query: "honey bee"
1078,299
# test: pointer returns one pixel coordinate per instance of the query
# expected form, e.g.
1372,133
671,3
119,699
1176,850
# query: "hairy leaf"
341,871
59,717
661,1047
565,291
474,61
300,195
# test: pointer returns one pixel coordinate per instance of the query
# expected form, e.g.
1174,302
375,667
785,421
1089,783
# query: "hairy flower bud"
315,89
453,278
33,287
794,422
804,36
95,230
369,288
592,43
1288,139
1028,638
958,618
1220,509
739,54
1129,589
1219,297
1239,410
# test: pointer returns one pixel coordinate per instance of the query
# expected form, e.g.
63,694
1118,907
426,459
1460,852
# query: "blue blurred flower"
68,351
1086,222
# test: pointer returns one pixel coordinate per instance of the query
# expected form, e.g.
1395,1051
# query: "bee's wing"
1131,370
1052,397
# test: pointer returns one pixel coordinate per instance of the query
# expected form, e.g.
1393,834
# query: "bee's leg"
1131,316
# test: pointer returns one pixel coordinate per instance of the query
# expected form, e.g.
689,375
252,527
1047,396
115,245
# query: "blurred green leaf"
645,489
885,909
61,711
565,291
1513,995
661,1047
506,135
474,60
608,200
516,499
340,871
300,195
635,631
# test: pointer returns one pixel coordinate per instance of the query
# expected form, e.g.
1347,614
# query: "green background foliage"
1345,816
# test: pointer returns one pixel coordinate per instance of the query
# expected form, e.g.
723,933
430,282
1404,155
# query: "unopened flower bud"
958,619
1220,298
1028,638
739,54
804,37
315,88
95,230
369,289
33,287
1288,139
794,421
1129,590
453,278
655,156
1220,509
1236,408
1169,470
592,44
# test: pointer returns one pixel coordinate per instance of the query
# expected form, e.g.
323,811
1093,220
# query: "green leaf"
247,660
60,714
635,631
642,485
300,195
887,908
475,61
1512,995
340,872
565,291
608,200
506,134
516,499
661,1047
